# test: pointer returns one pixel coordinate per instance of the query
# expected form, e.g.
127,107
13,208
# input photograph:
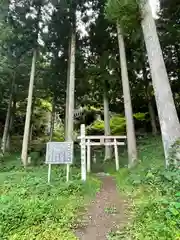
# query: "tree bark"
152,117
107,130
31,120
8,142
131,138
28,112
67,90
71,92
169,122
7,122
30,133
52,121
149,101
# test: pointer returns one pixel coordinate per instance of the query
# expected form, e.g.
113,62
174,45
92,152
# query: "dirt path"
106,213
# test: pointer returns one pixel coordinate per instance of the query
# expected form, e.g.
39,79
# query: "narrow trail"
106,213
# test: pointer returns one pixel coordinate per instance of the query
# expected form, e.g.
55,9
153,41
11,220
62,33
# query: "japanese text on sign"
59,153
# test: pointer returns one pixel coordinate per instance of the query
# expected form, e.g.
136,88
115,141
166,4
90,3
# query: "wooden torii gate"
86,142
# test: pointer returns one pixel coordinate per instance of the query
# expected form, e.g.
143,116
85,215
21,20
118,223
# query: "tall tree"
103,65
132,151
169,122
7,122
28,112
13,112
148,95
168,31
67,91
71,87
107,129
131,14
24,152
53,112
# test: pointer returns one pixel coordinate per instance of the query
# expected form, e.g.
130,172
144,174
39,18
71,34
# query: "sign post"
49,173
83,153
59,153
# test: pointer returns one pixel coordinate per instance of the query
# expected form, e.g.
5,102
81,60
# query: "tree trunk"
52,122
67,90
7,122
169,122
8,142
31,133
149,100
152,117
31,121
107,130
131,138
24,152
70,115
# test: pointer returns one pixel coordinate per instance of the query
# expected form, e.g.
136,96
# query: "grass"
32,209
110,210
154,193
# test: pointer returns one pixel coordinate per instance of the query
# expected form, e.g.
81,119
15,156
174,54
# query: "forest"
113,65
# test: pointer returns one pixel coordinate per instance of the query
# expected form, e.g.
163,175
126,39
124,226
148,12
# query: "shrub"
96,128
117,125
174,155
156,196
58,136
140,116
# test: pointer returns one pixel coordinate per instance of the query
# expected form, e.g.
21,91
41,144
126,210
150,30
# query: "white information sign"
59,153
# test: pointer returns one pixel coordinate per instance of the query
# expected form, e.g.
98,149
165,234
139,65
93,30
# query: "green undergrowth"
154,195
32,209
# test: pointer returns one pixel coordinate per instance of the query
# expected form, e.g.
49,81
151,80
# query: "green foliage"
32,209
58,136
140,116
117,125
96,128
155,193
34,157
174,155
126,12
